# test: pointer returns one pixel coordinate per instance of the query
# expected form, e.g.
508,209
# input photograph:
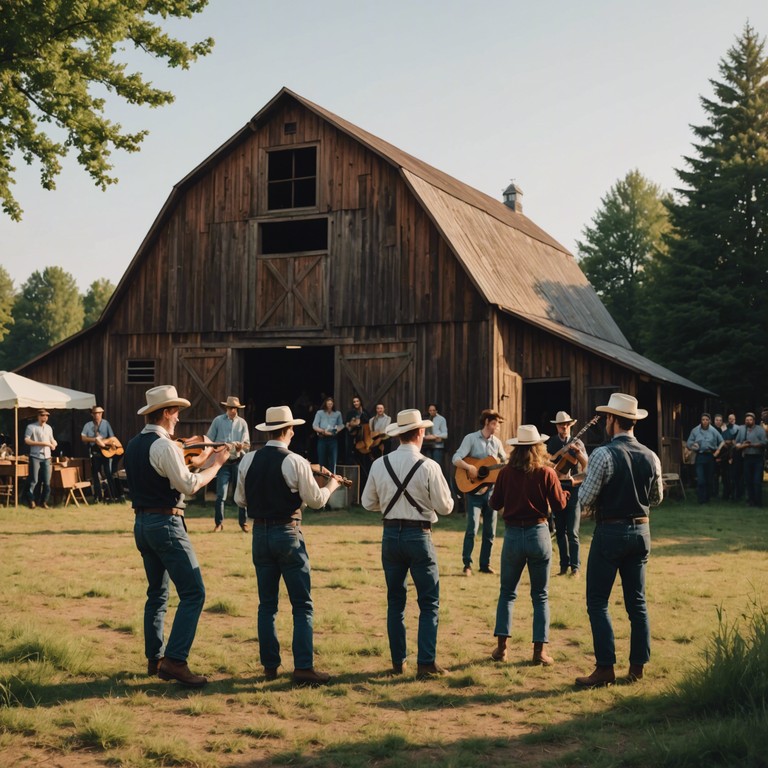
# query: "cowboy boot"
603,675
540,656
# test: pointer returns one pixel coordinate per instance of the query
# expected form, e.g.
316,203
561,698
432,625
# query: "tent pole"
16,466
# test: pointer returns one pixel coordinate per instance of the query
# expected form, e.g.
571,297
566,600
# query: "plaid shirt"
600,470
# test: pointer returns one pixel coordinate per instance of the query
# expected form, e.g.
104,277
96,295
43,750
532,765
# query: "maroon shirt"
528,496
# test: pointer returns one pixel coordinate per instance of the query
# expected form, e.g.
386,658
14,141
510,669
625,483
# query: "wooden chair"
672,480
73,485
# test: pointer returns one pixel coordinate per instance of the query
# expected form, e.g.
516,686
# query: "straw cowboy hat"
527,434
233,402
563,417
623,405
407,421
164,396
278,417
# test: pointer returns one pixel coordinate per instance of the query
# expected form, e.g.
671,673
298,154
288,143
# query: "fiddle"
326,474
192,447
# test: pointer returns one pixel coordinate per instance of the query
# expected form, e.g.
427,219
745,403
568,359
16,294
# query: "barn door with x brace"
202,377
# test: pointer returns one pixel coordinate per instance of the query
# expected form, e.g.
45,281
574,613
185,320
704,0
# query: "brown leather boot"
426,671
600,677
399,669
170,669
152,666
540,656
499,653
310,677
635,673
270,673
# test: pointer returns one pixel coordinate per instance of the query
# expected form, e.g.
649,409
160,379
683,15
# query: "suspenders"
401,487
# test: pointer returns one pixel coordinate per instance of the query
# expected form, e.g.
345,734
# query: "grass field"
73,689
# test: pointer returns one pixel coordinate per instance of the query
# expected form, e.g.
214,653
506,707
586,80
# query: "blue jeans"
327,452
567,524
279,550
227,474
404,550
621,548
532,547
167,554
39,472
753,478
477,506
705,476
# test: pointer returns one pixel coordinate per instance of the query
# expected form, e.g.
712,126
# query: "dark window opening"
140,372
292,178
294,236
289,129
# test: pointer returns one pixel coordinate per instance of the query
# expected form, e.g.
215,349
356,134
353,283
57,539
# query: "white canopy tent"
20,392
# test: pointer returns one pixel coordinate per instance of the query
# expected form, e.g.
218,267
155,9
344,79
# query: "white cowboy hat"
527,434
623,405
164,396
278,417
97,409
563,417
407,420
233,402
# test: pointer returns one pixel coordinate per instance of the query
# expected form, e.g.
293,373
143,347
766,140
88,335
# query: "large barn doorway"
299,378
542,400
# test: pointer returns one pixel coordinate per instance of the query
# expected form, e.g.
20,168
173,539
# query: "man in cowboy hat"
623,482
158,480
567,520
272,484
228,427
97,433
39,438
410,491
480,445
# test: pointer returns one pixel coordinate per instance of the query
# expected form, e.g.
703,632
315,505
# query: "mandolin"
564,456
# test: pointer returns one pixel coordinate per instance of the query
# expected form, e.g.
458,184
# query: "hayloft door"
202,376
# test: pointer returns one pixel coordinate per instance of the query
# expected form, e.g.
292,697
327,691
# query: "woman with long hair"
527,492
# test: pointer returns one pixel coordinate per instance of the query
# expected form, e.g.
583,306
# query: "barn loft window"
140,372
294,236
292,178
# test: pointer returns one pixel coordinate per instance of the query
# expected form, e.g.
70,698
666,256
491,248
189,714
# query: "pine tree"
620,246
710,312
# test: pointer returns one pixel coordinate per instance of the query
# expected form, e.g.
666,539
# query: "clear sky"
562,96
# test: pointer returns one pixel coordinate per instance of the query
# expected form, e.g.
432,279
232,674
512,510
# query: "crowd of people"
621,481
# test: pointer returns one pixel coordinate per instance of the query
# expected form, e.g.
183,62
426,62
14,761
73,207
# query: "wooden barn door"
378,373
509,401
291,292
202,376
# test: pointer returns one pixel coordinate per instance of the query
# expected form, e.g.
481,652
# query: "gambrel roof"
514,264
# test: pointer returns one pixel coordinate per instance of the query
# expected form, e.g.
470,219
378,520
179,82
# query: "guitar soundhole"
482,473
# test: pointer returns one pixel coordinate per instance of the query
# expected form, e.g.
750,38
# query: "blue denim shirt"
331,422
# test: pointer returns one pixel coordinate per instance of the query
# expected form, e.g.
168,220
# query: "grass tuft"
105,728
225,607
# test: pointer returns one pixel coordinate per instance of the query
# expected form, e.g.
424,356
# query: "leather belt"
269,522
624,520
512,523
423,524
160,511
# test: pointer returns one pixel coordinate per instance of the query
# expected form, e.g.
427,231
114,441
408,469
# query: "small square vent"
289,129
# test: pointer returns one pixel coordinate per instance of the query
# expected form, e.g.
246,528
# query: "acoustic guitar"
370,440
112,447
487,471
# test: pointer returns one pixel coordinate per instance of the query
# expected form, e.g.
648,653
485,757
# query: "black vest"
266,492
628,491
147,488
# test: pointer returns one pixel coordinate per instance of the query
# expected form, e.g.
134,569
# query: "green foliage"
48,309
98,294
7,298
625,238
709,309
58,59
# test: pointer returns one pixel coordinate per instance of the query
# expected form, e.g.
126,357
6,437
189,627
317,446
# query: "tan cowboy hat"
527,434
278,417
164,396
43,412
623,405
563,417
97,409
407,420
233,402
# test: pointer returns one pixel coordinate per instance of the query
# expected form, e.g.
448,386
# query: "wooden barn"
306,256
